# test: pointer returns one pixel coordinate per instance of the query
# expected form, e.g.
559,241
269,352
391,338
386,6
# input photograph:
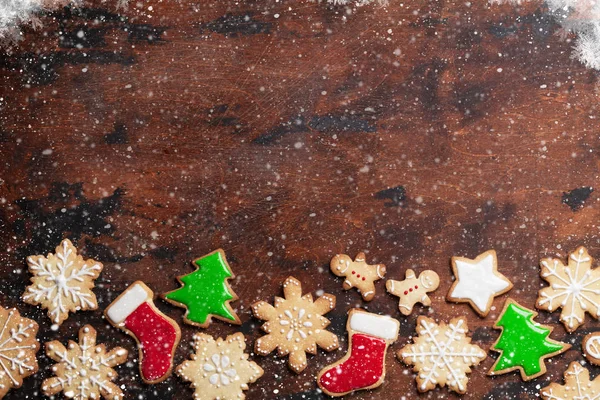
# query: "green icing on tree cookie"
523,343
205,292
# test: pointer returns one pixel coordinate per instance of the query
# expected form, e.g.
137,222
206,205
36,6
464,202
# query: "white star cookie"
478,282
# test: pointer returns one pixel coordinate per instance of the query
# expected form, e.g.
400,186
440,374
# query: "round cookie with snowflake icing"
18,346
219,369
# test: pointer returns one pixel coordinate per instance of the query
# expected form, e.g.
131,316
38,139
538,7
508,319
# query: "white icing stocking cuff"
126,303
379,326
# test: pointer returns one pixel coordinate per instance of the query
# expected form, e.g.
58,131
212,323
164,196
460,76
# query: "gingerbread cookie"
591,347
219,369
478,282
157,335
413,290
295,325
62,282
84,370
523,343
358,273
442,354
363,367
577,386
575,288
206,293
18,346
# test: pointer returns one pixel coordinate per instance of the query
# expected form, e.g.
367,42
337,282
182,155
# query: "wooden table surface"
286,132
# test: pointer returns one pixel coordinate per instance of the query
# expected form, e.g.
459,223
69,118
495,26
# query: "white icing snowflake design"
577,386
220,366
295,324
442,354
18,346
575,288
62,282
85,370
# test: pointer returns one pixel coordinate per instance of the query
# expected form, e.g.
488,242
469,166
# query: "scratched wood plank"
287,132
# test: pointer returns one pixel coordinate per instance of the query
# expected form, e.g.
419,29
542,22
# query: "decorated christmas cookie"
358,273
363,367
413,289
591,347
62,282
577,386
18,346
206,292
85,370
442,354
478,282
575,288
296,325
219,369
523,344
157,335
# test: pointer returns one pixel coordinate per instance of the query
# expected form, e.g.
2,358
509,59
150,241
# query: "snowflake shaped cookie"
577,386
18,346
62,282
575,288
442,354
219,369
85,370
295,325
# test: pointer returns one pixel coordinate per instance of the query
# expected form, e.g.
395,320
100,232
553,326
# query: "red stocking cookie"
363,367
157,335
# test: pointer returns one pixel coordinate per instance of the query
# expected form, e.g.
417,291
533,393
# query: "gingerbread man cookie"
358,273
413,290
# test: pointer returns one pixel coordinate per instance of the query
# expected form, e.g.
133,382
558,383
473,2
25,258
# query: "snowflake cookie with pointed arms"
62,282
577,386
219,369
442,354
18,346
575,288
85,370
295,325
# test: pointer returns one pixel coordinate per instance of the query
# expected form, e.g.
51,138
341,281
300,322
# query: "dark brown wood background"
286,132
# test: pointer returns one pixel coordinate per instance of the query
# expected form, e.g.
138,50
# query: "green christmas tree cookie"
205,292
523,344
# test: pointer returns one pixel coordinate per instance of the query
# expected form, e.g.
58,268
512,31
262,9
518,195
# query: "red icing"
406,292
157,339
362,369
416,287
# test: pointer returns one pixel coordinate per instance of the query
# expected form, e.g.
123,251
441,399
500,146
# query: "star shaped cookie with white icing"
478,282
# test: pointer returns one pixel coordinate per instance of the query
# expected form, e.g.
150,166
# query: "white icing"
223,374
10,340
449,355
571,283
379,326
129,301
478,282
295,324
592,346
580,391
61,282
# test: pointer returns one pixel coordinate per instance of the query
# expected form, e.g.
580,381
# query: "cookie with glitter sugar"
574,288
219,369
295,325
62,282
18,346
84,370
357,273
442,354
478,282
577,385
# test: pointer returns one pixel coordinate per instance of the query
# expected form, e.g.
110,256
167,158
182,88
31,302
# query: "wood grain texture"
287,132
